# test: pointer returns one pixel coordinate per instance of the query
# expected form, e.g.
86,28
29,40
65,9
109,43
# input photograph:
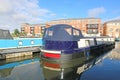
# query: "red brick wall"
78,23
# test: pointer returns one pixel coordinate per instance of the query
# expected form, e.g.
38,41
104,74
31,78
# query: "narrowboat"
63,42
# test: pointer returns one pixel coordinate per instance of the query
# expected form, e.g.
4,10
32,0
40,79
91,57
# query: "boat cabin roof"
62,32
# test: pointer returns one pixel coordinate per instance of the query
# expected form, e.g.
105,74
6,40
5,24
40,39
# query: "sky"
15,12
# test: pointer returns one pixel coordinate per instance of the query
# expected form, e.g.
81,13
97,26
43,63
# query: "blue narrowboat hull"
72,54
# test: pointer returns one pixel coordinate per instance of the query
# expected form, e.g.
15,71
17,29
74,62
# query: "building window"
31,28
117,30
32,32
111,30
92,31
89,31
88,26
95,31
83,30
92,28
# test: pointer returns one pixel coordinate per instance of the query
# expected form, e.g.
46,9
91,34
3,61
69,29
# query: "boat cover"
62,32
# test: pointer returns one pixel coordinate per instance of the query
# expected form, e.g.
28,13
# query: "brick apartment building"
32,29
112,28
88,26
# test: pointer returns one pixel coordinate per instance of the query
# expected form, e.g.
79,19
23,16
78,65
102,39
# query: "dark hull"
85,53
66,57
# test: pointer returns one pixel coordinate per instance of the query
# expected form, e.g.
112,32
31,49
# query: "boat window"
87,42
20,43
68,30
49,33
32,41
75,32
95,41
102,40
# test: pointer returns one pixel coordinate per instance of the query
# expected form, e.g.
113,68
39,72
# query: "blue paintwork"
60,45
26,42
66,47
78,50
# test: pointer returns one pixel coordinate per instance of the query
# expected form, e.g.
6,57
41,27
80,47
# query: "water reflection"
24,68
18,59
23,72
108,69
5,72
71,70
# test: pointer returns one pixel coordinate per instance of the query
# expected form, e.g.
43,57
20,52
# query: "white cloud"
110,19
15,12
118,17
95,12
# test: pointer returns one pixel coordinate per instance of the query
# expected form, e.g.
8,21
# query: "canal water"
103,66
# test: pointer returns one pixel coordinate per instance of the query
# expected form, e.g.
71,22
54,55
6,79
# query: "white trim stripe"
51,51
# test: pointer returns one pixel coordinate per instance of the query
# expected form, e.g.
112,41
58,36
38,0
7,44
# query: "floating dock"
18,52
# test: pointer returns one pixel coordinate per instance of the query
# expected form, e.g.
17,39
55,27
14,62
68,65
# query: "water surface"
105,66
